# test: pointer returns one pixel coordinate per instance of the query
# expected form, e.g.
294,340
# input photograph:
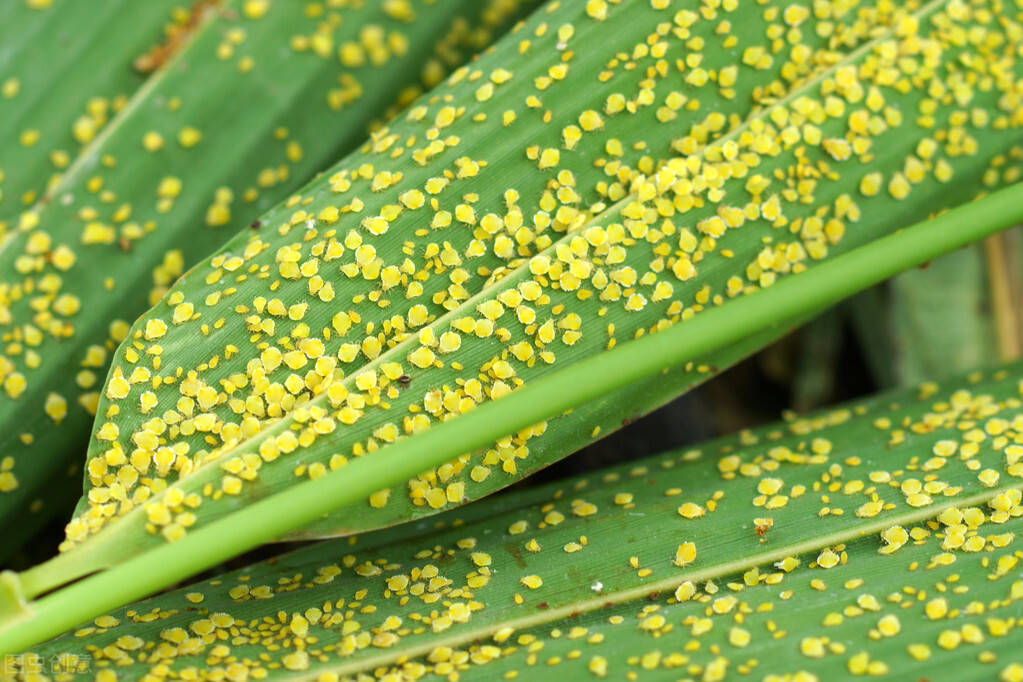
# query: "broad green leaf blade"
262,96
66,69
376,303
887,526
596,419
559,392
50,504
612,411
958,312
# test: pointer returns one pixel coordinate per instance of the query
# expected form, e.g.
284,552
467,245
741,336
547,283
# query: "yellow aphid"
549,158
155,328
590,120
152,141
898,186
691,510
828,559
531,581
421,357
169,187
118,388
189,136
597,9
55,407
685,554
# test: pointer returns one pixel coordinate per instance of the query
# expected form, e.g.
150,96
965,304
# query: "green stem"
548,396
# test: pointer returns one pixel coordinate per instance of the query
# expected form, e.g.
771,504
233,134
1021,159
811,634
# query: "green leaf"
819,346
333,329
53,501
941,321
867,313
887,545
958,312
51,113
976,325
556,393
260,97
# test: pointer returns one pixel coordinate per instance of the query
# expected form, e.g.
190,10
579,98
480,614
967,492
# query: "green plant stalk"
548,396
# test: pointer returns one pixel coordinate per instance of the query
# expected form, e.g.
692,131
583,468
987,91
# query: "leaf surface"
887,545
516,219
57,94
258,98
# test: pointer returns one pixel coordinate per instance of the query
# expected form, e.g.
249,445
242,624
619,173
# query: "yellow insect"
761,526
